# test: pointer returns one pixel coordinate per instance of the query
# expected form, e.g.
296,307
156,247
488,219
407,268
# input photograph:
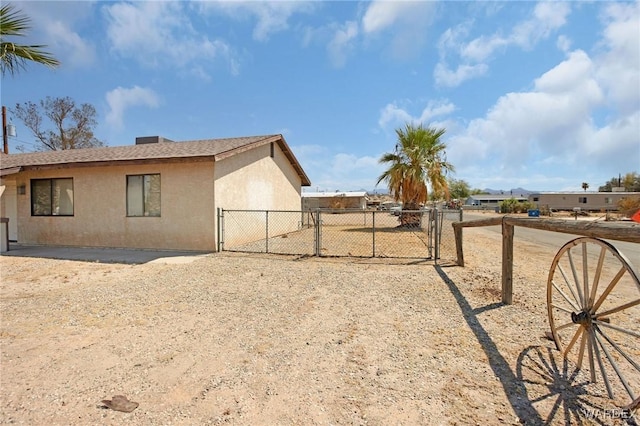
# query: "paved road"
555,240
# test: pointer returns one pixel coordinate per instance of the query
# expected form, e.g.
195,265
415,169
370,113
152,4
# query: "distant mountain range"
514,191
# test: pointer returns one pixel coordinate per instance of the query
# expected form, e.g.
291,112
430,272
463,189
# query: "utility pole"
5,137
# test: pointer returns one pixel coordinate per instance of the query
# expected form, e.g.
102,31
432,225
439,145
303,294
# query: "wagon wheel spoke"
566,298
591,363
593,304
607,291
618,309
573,341
620,329
583,344
596,278
613,364
570,286
598,356
619,350
576,280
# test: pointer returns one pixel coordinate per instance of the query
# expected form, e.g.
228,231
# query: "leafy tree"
14,57
628,206
585,186
418,159
72,126
630,182
459,189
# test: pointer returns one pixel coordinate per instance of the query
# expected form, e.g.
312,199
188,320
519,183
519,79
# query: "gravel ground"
264,339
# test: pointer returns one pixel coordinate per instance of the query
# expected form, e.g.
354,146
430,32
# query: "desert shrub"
629,205
526,206
514,206
509,206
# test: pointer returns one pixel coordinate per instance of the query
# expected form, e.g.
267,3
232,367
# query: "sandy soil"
264,339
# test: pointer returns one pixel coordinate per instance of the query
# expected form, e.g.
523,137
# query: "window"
582,200
143,195
535,199
608,200
52,197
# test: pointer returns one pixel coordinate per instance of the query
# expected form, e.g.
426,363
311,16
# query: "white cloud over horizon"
121,99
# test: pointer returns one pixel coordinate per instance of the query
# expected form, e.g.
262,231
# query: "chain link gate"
424,234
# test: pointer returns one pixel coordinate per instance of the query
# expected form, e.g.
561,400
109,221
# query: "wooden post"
507,263
457,232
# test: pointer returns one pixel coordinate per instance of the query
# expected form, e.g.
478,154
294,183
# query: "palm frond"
14,57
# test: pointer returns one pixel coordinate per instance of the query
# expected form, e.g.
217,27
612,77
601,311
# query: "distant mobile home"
585,200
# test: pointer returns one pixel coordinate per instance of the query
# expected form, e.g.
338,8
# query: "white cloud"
564,43
161,34
405,20
552,126
382,15
482,47
393,116
120,99
271,17
54,24
619,61
76,51
445,77
546,18
342,43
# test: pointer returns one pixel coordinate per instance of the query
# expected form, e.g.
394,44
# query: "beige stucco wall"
8,205
256,181
187,220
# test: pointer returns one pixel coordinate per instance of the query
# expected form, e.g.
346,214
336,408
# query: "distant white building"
491,200
334,200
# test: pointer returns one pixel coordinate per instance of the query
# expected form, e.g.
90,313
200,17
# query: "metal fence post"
266,227
220,229
318,234
373,234
437,235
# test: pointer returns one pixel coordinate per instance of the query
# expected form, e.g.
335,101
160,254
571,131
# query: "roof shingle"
211,148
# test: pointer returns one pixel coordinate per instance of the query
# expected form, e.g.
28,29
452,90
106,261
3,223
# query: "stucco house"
156,194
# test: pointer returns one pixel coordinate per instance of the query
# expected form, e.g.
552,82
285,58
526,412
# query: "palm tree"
585,186
15,56
418,159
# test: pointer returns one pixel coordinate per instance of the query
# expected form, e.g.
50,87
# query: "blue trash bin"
534,213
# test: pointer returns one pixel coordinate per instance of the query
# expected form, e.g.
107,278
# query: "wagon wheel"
593,301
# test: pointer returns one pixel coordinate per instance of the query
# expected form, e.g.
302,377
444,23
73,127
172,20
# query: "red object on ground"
636,217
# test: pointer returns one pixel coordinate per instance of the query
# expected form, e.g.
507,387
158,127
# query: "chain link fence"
423,234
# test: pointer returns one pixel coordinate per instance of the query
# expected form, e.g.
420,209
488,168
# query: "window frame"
52,197
143,196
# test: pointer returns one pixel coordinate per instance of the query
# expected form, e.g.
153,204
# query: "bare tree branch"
71,126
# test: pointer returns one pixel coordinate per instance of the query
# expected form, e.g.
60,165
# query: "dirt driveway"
278,340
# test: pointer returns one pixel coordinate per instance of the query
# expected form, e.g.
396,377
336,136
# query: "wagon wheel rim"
593,303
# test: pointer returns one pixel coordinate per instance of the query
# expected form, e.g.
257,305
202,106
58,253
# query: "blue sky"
541,95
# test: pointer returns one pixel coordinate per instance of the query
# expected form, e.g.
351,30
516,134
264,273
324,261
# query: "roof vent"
142,140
